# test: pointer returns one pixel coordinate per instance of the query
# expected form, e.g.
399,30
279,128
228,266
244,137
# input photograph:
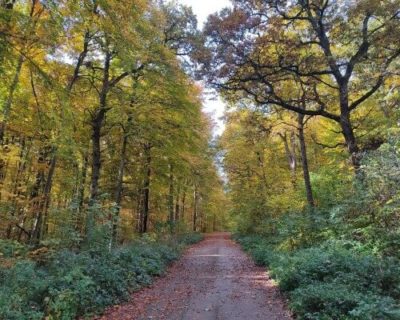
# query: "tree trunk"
36,199
119,187
352,147
347,128
195,207
171,196
304,162
177,204
81,191
97,125
146,188
47,194
182,214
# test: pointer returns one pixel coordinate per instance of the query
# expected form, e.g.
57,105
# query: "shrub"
70,284
22,292
332,281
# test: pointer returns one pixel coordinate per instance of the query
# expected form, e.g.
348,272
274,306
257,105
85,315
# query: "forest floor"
214,280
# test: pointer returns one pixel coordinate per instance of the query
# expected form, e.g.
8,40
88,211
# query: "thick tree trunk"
146,188
347,128
97,124
304,162
351,142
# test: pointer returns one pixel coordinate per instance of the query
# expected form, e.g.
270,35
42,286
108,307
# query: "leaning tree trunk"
304,162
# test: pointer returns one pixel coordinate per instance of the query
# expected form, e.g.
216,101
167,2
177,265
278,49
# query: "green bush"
70,284
11,248
23,289
332,281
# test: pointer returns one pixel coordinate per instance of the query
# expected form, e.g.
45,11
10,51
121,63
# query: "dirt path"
214,280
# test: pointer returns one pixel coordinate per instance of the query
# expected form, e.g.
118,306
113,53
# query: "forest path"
214,280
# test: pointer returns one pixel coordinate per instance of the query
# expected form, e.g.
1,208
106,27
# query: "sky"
202,8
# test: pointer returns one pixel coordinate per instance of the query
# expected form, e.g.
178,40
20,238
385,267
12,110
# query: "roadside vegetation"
66,283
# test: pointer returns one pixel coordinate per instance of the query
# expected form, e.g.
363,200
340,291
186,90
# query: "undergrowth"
331,281
67,284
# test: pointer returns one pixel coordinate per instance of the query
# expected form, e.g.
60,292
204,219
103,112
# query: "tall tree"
340,52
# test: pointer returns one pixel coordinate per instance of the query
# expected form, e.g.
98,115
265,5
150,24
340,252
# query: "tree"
332,55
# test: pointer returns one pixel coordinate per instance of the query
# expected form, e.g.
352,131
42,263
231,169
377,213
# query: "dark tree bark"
304,162
97,125
36,199
146,187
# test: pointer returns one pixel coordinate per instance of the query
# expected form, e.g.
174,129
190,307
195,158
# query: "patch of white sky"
213,104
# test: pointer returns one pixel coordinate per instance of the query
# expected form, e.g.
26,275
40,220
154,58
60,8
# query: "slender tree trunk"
81,190
46,197
17,183
36,199
146,187
120,186
177,204
195,207
139,211
171,195
260,158
304,162
183,206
